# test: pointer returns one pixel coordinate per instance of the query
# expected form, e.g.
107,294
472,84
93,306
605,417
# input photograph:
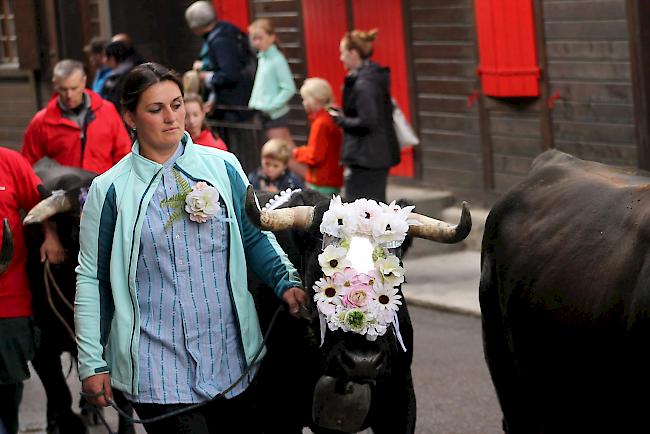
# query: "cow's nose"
362,365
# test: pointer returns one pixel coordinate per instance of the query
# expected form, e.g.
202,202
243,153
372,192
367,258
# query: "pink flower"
371,279
347,278
358,296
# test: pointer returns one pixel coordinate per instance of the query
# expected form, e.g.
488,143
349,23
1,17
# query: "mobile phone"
333,111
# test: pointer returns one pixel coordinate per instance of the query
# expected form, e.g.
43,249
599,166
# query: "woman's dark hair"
141,78
119,51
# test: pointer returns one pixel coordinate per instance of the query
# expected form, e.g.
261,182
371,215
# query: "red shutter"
508,56
235,11
325,23
386,15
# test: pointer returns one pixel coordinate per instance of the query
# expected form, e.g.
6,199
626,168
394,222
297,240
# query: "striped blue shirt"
190,348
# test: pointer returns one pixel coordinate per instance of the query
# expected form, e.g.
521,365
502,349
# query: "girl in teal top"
274,86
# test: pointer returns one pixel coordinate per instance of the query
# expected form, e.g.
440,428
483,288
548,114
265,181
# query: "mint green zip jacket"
107,318
274,86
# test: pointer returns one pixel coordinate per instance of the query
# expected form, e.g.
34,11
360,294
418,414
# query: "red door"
235,11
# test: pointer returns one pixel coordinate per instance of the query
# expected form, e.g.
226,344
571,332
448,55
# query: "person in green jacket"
273,87
162,308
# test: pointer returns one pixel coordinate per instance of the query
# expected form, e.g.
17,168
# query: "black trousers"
221,416
361,182
10,396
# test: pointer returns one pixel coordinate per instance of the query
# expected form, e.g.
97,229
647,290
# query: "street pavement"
447,282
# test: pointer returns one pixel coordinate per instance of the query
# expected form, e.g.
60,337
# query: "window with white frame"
8,44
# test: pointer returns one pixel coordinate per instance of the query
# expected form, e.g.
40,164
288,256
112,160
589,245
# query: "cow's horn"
297,217
57,203
7,252
437,230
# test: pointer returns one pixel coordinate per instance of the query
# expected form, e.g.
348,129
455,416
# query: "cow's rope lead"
131,420
47,277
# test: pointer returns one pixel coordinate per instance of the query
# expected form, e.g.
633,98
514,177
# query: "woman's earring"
133,129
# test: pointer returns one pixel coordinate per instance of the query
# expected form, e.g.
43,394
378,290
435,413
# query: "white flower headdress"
349,300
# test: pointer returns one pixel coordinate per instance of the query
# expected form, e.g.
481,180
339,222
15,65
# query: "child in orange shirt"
323,150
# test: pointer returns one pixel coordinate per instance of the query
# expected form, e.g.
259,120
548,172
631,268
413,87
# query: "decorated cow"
346,366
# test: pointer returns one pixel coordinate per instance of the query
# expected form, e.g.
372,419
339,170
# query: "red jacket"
17,191
49,134
322,152
207,139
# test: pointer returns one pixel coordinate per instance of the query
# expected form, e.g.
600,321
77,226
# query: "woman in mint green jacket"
162,309
274,86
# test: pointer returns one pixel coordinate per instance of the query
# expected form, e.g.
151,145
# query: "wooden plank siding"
589,65
18,92
442,46
286,16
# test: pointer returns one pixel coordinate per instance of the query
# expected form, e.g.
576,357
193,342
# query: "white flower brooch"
200,202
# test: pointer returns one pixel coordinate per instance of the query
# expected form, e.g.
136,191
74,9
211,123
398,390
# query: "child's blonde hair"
277,149
318,89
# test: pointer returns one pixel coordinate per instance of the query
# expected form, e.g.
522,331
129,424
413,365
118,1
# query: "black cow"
349,383
52,302
565,299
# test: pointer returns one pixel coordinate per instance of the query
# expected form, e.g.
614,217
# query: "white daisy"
333,260
390,271
388,300
338,220
327,291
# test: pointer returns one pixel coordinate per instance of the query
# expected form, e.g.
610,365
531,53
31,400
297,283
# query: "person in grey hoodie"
370,146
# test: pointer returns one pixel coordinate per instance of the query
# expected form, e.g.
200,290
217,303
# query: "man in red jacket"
78,127
18,190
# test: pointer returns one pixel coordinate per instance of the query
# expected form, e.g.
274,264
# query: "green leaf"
182,183
179,197
173,218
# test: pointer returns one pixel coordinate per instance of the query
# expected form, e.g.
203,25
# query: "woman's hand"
96,384
295,297
51,249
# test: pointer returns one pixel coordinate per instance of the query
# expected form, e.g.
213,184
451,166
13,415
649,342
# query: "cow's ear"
44,192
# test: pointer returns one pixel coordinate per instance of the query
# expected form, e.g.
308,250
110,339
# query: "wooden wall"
286,16
589,64
585,58
444,63
19,99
